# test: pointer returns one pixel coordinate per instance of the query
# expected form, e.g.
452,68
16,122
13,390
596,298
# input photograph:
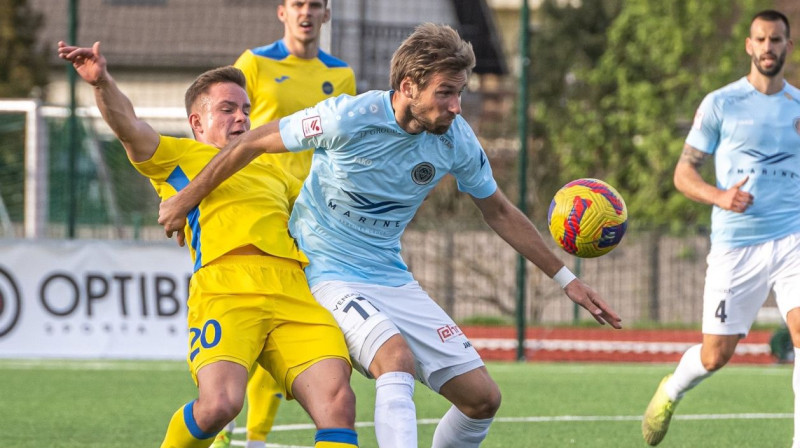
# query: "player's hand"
586,297
88,62
173,217
734,199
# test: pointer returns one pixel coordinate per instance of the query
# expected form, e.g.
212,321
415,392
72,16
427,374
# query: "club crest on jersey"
423,173
312,126
327,87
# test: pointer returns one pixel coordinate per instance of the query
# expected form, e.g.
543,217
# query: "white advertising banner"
93,299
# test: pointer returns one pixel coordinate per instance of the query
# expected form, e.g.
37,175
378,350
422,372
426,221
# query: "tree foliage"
569,37
24,67
624,103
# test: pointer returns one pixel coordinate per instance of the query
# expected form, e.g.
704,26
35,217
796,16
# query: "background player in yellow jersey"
283,77
249,300
293,73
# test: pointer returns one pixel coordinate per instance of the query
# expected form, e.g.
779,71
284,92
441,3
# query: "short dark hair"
430,49
771,15
209,78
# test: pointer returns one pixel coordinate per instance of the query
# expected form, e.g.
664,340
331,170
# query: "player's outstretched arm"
139,139
233,157
518,231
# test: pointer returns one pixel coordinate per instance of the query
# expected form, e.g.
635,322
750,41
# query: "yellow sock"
183,431
336,438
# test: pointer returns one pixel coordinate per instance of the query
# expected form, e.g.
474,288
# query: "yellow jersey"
250,207
279,84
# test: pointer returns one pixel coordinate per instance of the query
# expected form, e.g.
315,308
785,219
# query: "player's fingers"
181,237
606,313
614,321
741,182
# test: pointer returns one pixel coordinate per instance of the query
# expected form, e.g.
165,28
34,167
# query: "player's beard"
417,113
776,68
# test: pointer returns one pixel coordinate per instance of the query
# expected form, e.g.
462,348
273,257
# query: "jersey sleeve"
320,126
248,65
164,160
705,131
473,173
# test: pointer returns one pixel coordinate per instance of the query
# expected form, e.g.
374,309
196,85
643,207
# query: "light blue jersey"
755,135
368,178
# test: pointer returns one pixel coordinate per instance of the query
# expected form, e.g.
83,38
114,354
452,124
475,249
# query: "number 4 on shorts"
720,312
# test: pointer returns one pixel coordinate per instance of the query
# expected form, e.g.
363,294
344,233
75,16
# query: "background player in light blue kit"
752,130
378,155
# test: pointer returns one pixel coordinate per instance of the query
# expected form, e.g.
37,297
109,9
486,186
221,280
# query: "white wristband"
563,277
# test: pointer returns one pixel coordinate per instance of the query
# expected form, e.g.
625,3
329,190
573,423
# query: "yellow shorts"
258,308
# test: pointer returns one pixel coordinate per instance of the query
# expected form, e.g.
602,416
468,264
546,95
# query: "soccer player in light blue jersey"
378,155
751,128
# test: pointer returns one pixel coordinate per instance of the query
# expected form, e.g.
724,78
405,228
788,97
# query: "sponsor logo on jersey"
362,203
423,173
446,141
768,159
312,126
796,123
372,224
327,87
281,79
762,158
448,332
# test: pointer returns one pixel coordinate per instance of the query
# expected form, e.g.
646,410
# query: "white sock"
456,430
230,426
256,444
395,413
796,388
689,373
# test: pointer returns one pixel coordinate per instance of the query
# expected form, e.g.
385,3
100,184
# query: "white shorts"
370,314
738,282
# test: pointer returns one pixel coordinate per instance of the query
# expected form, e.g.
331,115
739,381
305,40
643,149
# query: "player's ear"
195,123
407,87
282,11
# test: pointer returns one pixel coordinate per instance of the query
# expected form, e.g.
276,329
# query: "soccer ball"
587,218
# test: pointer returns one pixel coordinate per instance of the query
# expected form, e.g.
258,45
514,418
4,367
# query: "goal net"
113,200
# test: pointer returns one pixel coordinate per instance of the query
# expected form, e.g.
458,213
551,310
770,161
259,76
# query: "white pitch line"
541,419
568,418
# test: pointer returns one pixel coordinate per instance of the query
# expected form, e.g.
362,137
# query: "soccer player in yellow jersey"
293,73
249,300
283,77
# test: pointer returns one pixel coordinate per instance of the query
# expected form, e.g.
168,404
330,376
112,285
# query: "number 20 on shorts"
208,337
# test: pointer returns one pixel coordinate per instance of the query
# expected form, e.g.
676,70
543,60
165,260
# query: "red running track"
604,344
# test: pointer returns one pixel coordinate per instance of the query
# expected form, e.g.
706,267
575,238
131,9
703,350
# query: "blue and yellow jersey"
279,84
250,207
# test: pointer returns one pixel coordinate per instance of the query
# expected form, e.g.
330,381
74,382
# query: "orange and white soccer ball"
587,218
